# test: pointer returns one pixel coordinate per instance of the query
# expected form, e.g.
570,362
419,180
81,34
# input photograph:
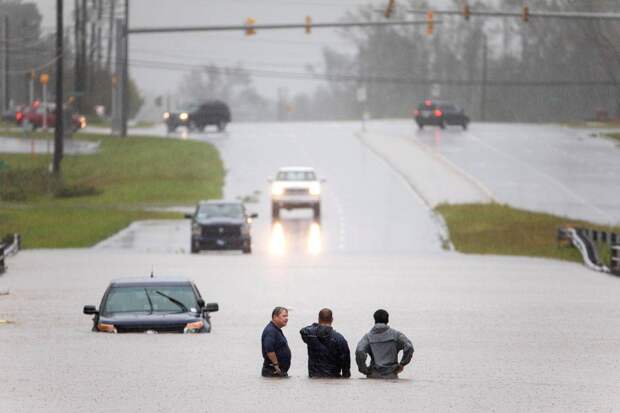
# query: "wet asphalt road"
563,171
490,333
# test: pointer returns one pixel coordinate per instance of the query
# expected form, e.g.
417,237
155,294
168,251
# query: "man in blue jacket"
276,353
328,351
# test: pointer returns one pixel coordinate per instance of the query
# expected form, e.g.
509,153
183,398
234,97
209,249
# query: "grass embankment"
102,193
502,230
615,136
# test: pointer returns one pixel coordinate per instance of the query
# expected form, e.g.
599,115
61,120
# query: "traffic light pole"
5,56
177,29
125,74
59,128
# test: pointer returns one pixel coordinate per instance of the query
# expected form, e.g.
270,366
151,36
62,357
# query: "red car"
34,116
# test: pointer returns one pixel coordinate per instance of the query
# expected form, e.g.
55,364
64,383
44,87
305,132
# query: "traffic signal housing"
466,11
250,22
390,8
308,24
526,14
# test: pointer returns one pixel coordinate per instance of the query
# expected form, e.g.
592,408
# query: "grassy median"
503,230
102,193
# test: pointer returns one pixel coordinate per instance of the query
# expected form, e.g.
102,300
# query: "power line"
346,77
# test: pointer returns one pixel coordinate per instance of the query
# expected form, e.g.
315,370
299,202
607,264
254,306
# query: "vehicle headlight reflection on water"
314,239
278,243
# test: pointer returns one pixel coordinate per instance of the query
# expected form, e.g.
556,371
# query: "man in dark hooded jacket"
383,343
328,351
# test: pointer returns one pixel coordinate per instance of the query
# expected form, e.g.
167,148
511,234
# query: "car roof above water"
149,281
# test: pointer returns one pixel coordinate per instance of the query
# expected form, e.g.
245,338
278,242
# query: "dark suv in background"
440,114
221,225
213,112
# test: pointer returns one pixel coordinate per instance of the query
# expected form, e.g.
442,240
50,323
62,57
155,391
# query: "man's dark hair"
326,316
277,311
381,316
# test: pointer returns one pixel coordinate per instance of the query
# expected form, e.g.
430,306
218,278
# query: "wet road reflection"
294,236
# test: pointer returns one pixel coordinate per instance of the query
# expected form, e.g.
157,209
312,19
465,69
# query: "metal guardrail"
9,248
615,260
585,239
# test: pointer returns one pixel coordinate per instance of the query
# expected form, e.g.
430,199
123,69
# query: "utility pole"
77,86
112,10
125,74
116,75
483,87
84,66
59,129
5,60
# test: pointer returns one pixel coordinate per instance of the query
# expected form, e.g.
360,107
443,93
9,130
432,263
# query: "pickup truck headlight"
277,189
166,115
183,116
315,189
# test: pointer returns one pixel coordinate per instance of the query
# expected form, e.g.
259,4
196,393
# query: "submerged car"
296,187
152,305
221,225
440,114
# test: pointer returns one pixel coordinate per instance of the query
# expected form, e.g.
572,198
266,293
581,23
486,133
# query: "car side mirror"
188,216
201,303
90,309
254,215
212,307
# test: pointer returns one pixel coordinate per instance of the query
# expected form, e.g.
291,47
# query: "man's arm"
361,351
345,358
405,344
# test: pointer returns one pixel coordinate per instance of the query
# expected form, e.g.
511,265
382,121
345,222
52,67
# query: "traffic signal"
429,22
390,8
526,14
250,22
308,24
466,11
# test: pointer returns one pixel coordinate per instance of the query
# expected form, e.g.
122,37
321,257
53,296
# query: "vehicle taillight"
428,102
19,116
438,113
416,113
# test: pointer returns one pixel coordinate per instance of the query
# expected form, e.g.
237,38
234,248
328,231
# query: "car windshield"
151,299
296,176
220,211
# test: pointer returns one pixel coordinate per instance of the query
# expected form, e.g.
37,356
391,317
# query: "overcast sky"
284,50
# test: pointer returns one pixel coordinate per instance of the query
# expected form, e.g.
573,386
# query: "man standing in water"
383,343
276,353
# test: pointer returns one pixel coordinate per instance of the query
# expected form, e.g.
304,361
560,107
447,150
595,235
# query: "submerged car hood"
145,319
221,221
